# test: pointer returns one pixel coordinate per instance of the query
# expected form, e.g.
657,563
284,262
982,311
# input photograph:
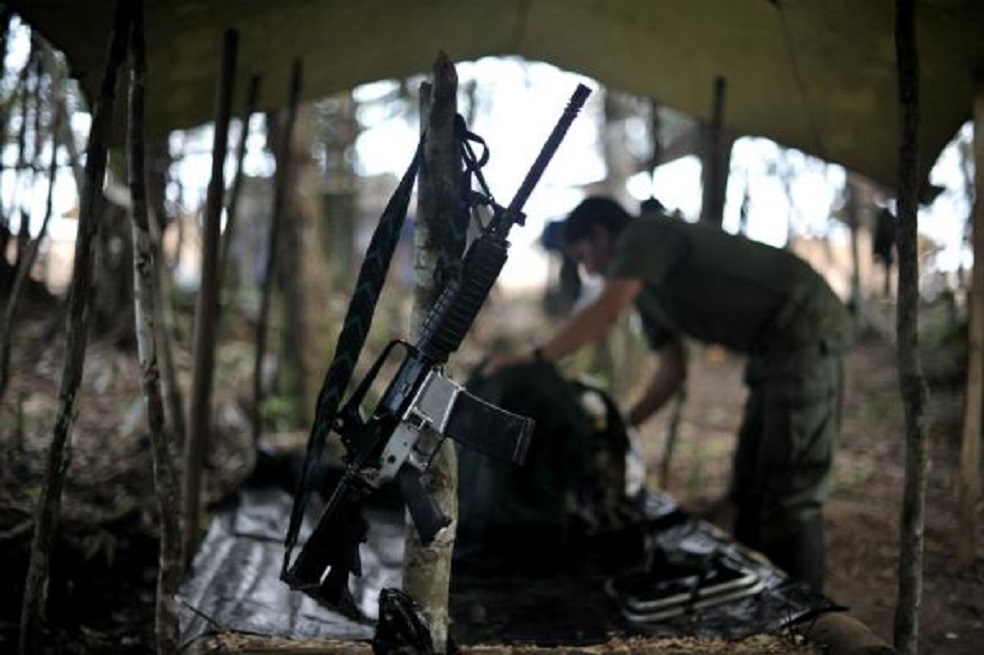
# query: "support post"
206,309
144,278
252,95
912,384
427,570
853,210
969,490
717,153
276,217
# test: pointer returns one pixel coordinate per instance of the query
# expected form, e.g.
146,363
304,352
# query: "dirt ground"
104,569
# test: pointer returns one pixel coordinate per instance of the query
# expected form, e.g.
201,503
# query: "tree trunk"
49,505
279,193
970,452
112,309
427,570
206,309
620,164
340,200
912,385
307,246
144,277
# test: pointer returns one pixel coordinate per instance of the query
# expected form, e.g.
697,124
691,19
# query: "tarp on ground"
588,593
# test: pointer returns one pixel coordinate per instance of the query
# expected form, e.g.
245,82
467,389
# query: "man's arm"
587,325
594,320
670,372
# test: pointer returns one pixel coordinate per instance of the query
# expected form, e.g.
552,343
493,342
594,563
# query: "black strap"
473,166
355,329
450,257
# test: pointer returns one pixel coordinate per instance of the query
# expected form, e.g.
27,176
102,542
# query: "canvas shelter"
817,75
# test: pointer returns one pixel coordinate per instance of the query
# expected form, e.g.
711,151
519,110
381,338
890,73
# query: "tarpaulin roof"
818,75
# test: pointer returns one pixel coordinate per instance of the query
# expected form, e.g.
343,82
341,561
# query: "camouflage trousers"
782,463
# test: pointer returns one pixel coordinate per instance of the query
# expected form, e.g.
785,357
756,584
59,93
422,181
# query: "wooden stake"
969,491
206,309
144,282
252,94
853,210
280,187
715,166
427,570
912,384
59,454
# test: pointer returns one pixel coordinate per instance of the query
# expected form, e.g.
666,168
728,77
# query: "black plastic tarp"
670,575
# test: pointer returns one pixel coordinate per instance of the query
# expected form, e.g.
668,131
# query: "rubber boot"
793,541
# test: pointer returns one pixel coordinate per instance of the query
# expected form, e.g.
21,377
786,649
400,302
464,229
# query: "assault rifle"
387,446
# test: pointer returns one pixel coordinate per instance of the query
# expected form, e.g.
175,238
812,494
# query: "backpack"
574,480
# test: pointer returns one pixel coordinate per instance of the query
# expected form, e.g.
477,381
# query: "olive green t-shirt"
706,284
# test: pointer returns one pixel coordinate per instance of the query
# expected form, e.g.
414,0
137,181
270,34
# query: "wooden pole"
59,454
427,570
969,491
912,384
655,131
164,322
672,432
144,281
158,160
252,94
680,397
206,308
276,218
714,171
853,210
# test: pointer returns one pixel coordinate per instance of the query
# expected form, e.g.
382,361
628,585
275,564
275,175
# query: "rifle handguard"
452,315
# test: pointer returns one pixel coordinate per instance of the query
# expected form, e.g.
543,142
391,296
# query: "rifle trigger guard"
430,409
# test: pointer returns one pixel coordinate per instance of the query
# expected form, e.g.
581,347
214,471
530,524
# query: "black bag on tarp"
574,479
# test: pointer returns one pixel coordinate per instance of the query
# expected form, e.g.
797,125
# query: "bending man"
696,281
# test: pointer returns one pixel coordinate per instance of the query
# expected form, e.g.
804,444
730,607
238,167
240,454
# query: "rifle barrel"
577,100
